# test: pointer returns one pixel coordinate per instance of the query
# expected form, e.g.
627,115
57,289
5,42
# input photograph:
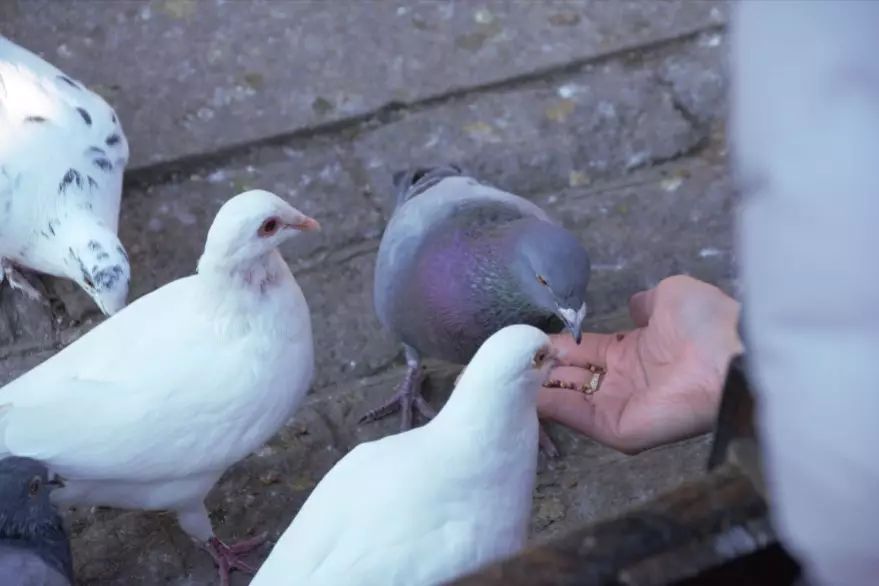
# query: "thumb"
641,306
592,349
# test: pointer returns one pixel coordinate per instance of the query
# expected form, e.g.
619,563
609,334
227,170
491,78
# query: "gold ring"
593,384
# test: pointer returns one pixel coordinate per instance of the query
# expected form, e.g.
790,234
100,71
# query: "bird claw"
389,407
20,283
407,399
227,556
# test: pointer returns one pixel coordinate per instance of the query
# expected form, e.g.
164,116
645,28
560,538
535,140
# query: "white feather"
433,503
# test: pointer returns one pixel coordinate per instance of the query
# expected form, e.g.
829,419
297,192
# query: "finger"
592,349
590,417
570,374
568,408
641,306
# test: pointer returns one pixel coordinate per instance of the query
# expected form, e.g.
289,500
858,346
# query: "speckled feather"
62,158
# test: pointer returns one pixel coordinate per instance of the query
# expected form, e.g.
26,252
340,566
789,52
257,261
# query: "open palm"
663,379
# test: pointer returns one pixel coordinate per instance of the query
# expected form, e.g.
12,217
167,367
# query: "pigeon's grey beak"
573,320
56,482
576,332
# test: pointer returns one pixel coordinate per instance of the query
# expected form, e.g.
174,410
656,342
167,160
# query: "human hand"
663,380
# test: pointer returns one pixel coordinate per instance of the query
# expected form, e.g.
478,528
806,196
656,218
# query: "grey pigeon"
460,260
34,550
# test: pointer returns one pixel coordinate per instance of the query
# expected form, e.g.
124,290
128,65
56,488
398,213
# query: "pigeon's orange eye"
541,280
268,227
34,486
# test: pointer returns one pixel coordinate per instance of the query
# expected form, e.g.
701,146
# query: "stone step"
189,77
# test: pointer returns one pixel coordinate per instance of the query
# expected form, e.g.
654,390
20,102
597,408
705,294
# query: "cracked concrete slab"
565,131
221,73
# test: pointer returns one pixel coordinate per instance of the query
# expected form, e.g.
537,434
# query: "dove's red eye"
541,280
34,486
268,227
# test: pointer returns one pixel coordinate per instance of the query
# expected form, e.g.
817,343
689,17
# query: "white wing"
351,524
118,403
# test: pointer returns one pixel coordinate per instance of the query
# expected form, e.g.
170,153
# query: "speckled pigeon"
460,260
467,479
34,550
62,156
148,409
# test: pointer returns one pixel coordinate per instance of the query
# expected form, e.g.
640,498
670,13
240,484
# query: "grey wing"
19,567
450,202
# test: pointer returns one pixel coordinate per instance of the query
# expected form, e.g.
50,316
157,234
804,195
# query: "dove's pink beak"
306,224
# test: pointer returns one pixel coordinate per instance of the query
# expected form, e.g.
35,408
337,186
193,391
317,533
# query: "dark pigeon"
460,260
34,550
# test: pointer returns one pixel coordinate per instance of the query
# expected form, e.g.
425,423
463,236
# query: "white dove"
149,409
62,156
467,479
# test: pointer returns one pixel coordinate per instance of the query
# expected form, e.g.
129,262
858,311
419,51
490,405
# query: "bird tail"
410,183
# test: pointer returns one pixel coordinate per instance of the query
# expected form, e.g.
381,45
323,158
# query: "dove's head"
251,225
25,508
96,260
552,267
515,357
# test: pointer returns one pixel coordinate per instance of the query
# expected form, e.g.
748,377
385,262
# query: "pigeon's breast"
460,291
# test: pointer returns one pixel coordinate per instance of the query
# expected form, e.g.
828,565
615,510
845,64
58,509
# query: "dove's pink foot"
227,556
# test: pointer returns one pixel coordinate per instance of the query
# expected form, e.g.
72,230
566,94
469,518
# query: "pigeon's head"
96,260
512,356
553,268
24,497
250,225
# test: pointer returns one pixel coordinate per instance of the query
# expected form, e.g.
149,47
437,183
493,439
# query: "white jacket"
805,132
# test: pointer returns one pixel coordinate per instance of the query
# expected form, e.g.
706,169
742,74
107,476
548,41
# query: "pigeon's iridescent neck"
470,291
44,537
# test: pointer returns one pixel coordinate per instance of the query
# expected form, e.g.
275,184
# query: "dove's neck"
491,410
258,275
260,293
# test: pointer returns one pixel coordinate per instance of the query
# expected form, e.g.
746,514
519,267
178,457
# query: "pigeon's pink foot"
407,399
19,282
547,446
227,556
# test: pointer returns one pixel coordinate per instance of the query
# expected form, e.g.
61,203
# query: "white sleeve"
805,134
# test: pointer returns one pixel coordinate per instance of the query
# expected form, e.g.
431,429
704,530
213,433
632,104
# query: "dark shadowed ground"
610,114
